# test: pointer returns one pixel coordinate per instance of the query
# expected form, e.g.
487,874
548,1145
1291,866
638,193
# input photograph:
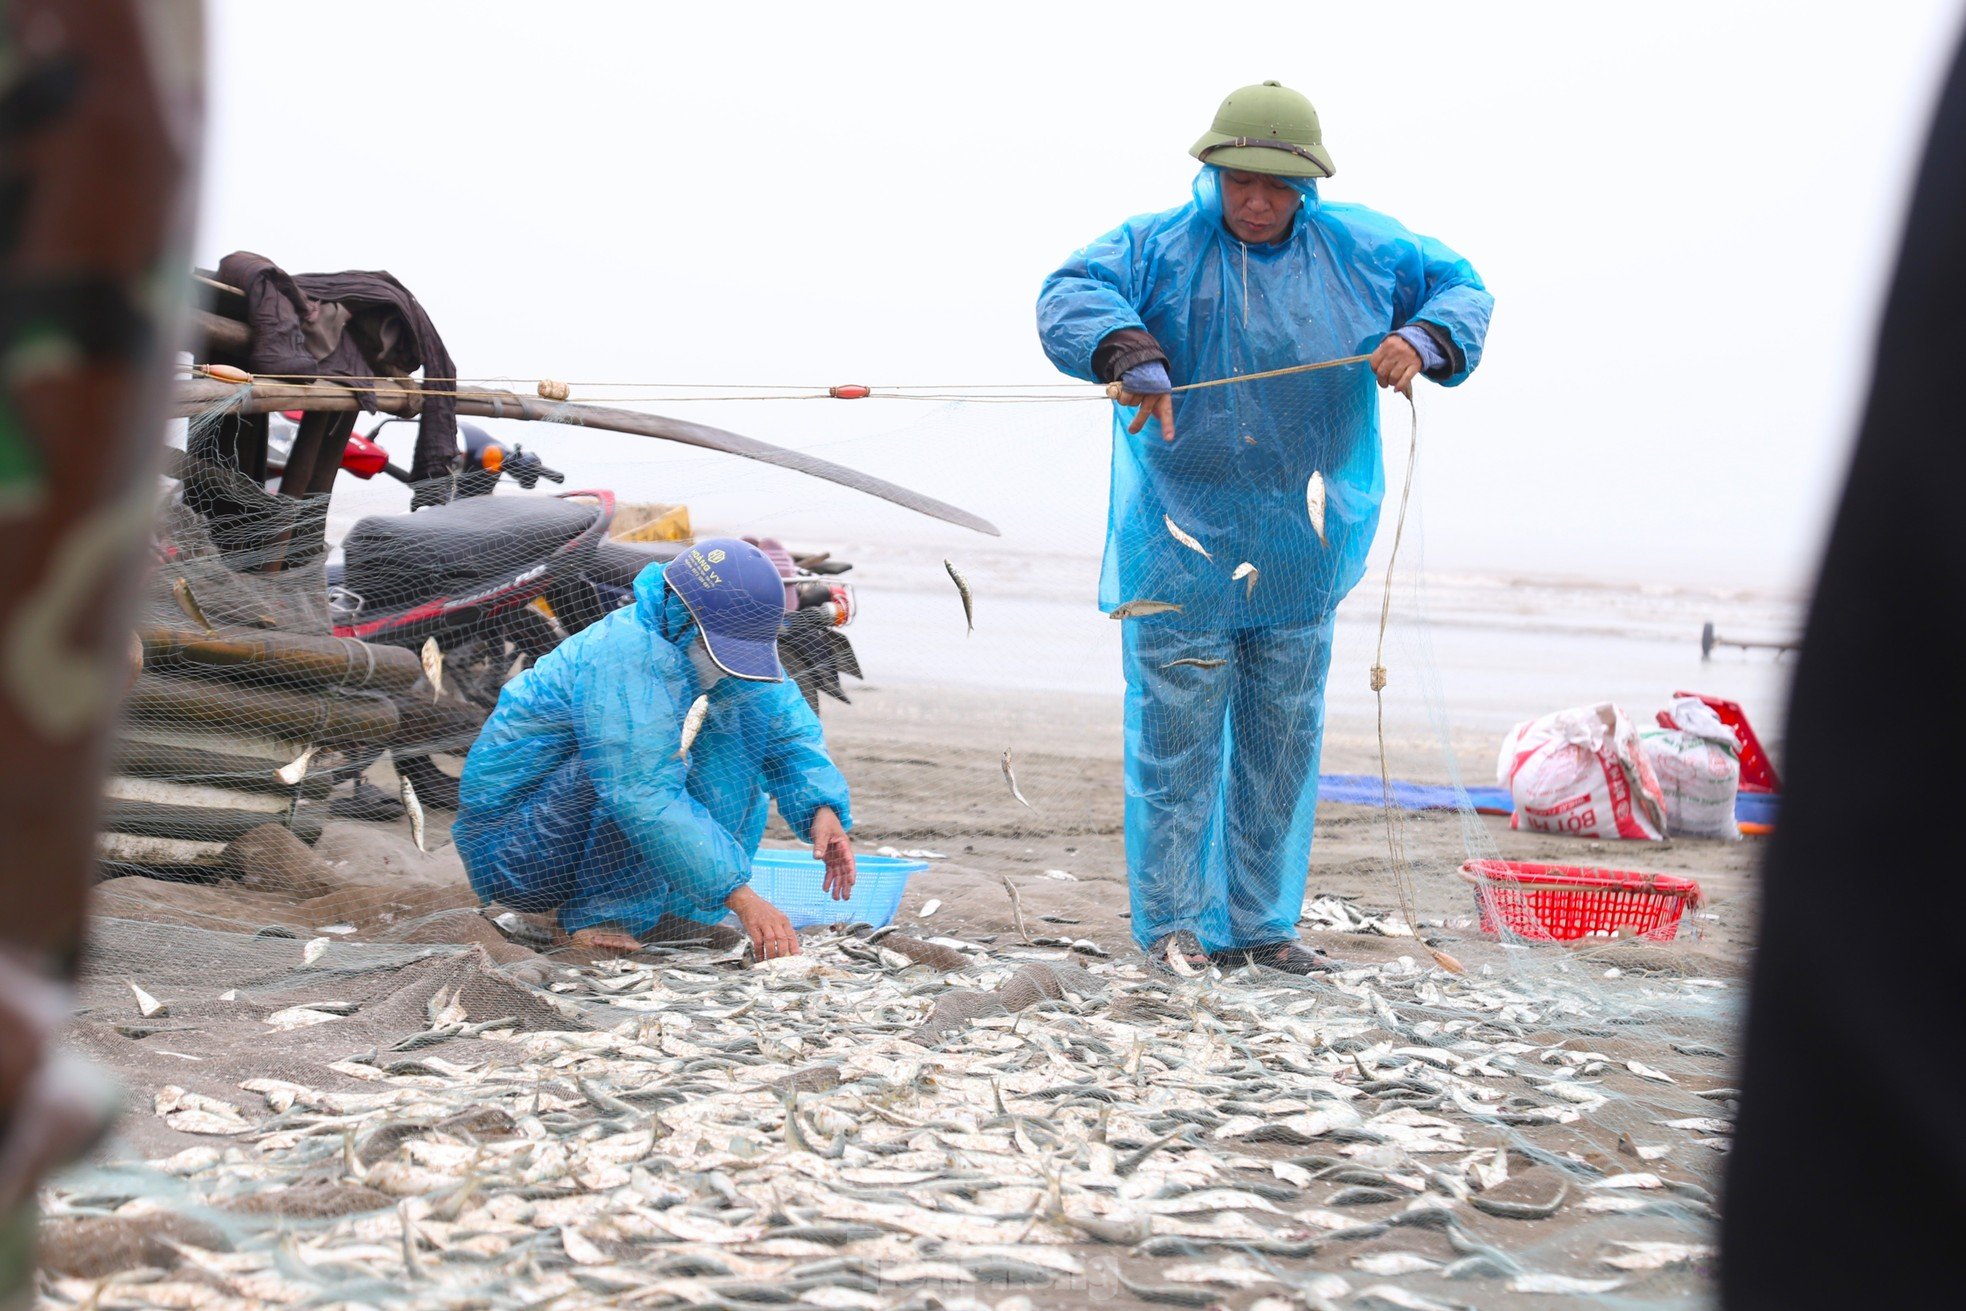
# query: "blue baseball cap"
737,599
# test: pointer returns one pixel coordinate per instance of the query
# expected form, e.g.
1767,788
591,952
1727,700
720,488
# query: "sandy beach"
923,761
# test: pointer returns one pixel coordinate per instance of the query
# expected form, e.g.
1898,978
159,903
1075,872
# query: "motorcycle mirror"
363,457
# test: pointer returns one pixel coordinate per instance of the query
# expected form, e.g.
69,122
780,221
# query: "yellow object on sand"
651,522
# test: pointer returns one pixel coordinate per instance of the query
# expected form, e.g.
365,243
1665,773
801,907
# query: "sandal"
1179,952
1290,957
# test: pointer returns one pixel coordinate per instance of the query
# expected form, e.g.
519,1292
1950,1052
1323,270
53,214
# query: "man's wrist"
1430,343
741,897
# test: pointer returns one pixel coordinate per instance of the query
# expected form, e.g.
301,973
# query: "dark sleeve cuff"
1456,361
1122,350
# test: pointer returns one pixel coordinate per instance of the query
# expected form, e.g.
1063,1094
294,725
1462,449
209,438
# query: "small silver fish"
1174,530
1630,1146
1314,502
1657,1255
1198,662
188,603
148,1006
432,656
929,907
1541,1282
312,951
1142,608
1011,778
1249,571
693,723
962,588
414,809
1177,960
295,770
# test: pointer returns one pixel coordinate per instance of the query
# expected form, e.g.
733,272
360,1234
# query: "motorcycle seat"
393,561
617,563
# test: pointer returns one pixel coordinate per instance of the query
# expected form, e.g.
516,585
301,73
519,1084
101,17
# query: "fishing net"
354,1079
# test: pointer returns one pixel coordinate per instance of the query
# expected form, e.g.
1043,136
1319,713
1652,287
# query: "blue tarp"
1367,790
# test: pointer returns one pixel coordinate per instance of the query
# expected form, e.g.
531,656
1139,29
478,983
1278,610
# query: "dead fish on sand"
1560,1285
312,951
693,723
1140,609
181,590
1644,1071
295,770
1513,1210
1177,959
1249,571
1314,503
1630,1146
1197,662
1011,778
432,656
148,1006
1174,531
414,809
1658,1255
962,589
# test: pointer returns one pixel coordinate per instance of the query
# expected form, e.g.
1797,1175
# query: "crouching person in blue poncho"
1245,496
579,796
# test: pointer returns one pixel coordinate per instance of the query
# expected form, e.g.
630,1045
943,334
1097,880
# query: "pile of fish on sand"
855,1128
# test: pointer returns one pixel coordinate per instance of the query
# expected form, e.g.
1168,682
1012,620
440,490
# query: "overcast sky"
1685,211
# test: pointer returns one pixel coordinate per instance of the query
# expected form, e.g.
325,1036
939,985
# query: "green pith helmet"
1266,129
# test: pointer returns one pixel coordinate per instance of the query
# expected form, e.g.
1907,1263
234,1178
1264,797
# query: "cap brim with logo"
736,597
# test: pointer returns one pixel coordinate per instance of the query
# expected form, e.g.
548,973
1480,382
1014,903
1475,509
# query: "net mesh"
356,1079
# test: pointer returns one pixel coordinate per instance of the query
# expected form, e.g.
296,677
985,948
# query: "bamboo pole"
196,823
214,334
191,765
440,726
226,709
194,396
295,658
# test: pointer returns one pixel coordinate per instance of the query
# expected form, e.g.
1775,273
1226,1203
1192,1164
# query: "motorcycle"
596,575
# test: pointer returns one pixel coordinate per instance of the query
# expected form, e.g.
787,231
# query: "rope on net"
554,389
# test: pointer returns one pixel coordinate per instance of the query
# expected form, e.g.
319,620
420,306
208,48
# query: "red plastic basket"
1565,902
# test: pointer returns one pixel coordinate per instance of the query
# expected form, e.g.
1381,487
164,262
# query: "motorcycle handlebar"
528,468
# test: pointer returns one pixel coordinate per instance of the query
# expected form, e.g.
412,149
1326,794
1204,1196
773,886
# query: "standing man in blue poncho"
1225,696
581,795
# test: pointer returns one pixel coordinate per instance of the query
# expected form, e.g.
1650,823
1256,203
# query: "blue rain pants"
1221,778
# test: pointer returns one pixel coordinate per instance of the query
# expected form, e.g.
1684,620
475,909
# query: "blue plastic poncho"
574,797
1234,477
1222,761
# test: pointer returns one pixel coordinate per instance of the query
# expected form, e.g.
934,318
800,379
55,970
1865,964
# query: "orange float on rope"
849,391
224,373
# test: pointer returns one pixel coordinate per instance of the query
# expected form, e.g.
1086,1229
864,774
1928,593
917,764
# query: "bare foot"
605,940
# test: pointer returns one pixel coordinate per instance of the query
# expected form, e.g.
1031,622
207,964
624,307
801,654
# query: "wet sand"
923,763
924,766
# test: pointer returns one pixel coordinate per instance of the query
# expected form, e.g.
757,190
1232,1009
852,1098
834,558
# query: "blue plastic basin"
792,880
